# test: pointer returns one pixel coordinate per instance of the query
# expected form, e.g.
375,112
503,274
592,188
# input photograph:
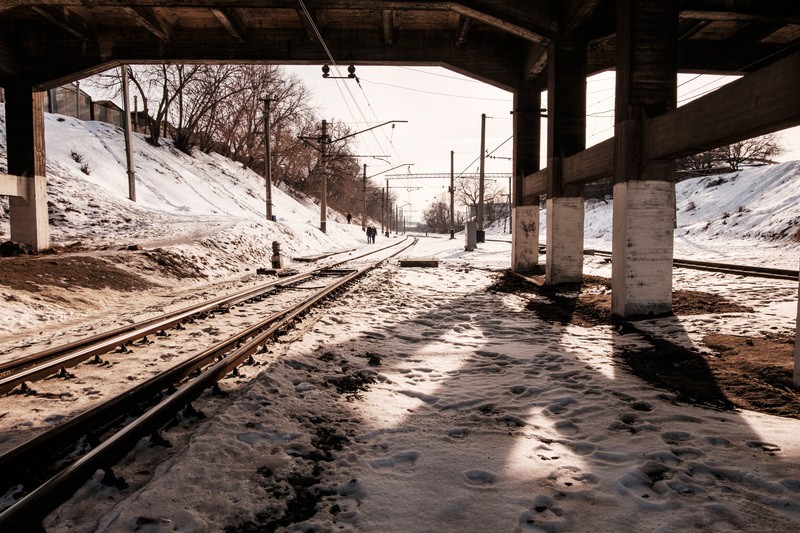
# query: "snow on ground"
204,211
422,401
475,415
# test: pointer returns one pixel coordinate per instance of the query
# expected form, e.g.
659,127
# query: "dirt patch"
32,274
743,372
756,373
173,265
588,304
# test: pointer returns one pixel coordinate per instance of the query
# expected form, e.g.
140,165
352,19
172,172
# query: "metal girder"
232,21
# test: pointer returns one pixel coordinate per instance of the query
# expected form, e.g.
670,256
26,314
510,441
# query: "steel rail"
32,508
42,364
756,271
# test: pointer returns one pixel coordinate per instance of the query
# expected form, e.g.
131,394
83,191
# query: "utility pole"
481,234
364,193
78,99
388,206
452,198
396,219
383,212
136,113
323,166
128,135
509,204
268,158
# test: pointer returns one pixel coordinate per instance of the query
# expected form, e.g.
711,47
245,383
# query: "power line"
437,93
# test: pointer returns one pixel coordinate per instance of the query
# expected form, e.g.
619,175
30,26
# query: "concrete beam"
67,21
491,58
232,21
388,27
759,103
737,111
14,186
147,18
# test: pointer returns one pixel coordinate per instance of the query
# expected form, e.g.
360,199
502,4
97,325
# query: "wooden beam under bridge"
759,103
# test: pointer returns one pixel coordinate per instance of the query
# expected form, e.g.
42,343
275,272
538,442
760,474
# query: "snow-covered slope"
182,201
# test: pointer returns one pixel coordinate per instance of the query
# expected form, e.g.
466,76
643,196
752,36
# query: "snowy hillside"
182,202
208,201
724,217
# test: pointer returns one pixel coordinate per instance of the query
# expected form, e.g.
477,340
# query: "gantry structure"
523,46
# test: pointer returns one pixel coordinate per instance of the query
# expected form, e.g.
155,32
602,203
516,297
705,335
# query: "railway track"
741,270
726,268
159,398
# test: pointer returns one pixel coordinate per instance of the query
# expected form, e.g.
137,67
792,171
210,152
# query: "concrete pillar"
26,157
525,238
642,248
566,136
643,190
526,155
797,344
564,240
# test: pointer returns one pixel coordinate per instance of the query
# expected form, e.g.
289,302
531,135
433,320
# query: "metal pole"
364,192
136,112
128,135
452,198
509,204
481,179
268,158
396,219
323,200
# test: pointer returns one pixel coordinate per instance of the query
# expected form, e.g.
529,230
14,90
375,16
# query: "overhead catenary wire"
338,73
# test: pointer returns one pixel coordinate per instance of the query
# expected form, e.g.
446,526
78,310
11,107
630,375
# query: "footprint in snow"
676,437
763,446
480,477
399,460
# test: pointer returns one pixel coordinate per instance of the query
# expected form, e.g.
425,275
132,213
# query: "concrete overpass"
524,46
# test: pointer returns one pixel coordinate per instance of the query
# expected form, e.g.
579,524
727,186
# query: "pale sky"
443,110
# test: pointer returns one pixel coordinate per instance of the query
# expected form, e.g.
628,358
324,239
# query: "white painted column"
642,247
564,240
524,237
797,344
29,215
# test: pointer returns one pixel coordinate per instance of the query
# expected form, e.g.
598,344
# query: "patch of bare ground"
35,273
743,372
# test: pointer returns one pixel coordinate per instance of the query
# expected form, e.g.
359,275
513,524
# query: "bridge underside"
523,46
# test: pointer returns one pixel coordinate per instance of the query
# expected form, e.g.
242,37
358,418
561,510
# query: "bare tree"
468,193
437,216
758,150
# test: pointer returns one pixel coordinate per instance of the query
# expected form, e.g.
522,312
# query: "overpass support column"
527,139
644,191
26,157
566,136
